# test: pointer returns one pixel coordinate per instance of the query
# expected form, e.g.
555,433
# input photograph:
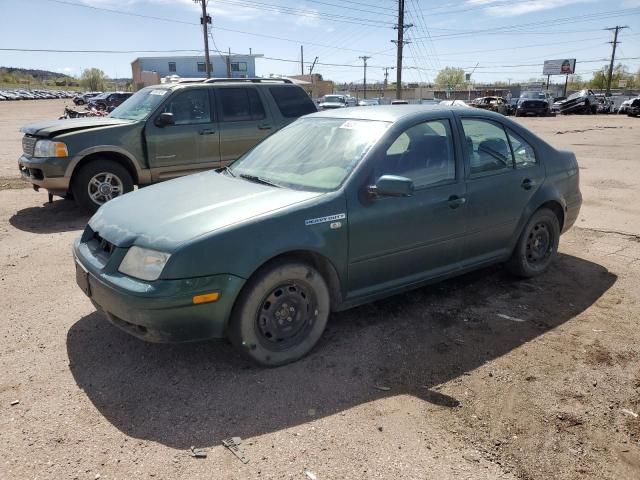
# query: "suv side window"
190,107
523,153
487,147
423,153
240,104
292,102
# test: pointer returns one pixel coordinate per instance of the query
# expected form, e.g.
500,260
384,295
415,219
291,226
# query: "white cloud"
499,8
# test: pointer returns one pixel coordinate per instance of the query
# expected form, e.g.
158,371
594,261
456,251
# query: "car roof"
389,113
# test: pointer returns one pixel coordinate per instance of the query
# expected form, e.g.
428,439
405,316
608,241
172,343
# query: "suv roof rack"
248,80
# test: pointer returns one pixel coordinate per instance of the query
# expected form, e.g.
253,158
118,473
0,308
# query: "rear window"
292,101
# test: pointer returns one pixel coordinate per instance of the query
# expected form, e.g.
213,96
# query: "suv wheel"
99,181
536,246
280,314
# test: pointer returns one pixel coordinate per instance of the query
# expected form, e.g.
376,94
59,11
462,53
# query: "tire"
537,245
89,180
259,327
80,102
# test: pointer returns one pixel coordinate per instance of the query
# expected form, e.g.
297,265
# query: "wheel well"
320,263
114,157
556,208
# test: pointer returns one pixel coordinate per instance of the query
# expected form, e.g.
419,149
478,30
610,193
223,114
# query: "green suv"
337,209
161,132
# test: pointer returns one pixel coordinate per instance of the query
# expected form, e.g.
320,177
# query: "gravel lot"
488,377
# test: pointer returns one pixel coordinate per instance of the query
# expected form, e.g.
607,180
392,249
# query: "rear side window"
240,104
487,147
292,102
523,153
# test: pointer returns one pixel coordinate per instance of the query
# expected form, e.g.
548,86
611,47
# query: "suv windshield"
534,95
141,104
333,99
315,154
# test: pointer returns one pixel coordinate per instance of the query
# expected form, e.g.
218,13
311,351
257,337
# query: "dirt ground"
483,377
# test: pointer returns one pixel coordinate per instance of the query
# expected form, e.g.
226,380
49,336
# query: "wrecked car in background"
633,110
493,104
584,101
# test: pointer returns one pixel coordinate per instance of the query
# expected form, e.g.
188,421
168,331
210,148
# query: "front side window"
315,154
487,149
423,153
190,107
523,153
240,104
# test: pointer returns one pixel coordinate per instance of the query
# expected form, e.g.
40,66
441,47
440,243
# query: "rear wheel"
99,181
536,246
280,314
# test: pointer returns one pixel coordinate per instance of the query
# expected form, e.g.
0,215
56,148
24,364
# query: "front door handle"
264,126
528,184
456,201
207,131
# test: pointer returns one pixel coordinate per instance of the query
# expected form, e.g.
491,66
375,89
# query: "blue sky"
508,39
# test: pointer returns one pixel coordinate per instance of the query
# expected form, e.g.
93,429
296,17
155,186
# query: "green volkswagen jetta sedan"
337,209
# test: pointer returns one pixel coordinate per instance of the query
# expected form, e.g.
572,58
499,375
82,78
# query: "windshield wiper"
256,179
228,170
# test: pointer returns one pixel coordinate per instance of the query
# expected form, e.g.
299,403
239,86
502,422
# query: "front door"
396,241
244,120
192,144
503,175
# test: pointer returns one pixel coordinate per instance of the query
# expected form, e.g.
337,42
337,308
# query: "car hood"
169,214
52,128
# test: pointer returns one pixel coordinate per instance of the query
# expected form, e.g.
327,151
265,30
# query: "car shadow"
199,394
58,216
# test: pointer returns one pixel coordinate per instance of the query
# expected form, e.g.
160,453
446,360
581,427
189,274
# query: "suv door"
400,240
499,186
244,120
192,143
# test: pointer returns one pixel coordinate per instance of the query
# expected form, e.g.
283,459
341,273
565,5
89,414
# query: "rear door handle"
528,184
207,131
264,127
456,201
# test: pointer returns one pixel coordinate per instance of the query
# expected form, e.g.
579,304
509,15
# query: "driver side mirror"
164,120
392,186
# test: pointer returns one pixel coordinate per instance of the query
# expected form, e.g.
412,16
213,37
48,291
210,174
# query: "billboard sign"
564,66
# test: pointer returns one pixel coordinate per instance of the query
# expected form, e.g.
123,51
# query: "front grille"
100,248
28,145
534,104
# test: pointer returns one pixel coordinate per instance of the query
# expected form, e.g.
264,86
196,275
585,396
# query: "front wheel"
536,246
99,181
280,314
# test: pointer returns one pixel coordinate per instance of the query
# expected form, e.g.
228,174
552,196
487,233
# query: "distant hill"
30,76
35,73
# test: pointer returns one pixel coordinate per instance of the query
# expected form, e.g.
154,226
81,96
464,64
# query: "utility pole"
364,59
386,76
301,60
312,65
229,64
205,20
400,44
615,42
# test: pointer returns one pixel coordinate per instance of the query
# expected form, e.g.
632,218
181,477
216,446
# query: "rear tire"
537,245
99,181
280,314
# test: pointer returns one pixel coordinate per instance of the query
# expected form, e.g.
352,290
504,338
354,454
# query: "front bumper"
539,111
45,173
162,310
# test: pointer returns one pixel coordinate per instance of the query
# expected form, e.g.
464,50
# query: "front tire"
99,181
537,245
280,314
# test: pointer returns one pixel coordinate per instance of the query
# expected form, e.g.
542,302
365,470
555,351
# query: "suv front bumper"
45,173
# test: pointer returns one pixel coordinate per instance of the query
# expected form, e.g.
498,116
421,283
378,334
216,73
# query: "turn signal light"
206,298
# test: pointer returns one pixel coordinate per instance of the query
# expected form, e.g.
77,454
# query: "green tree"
450,77
93,79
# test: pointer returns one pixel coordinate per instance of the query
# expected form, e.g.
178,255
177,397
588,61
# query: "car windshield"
581,93
533,95
333,99
315,154
140,105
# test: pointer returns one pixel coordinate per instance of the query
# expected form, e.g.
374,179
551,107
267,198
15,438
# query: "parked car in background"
329,102
161,132
555,108
453,103
530,106
584,101
633,110
340,208
625,105
604,104
494,104
368,102
84,98
109,100
399,102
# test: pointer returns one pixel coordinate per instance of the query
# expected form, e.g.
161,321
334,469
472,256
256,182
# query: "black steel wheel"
280,314
537,245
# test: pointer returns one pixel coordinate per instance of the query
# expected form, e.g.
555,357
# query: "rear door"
244,120
192,144
503,173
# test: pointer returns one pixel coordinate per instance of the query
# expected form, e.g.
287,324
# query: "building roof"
200,57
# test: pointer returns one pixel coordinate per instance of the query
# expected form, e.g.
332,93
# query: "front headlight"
49,148
143,263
